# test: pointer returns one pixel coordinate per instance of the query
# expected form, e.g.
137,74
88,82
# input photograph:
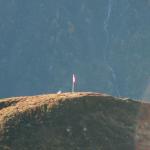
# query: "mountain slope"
42,43
73,121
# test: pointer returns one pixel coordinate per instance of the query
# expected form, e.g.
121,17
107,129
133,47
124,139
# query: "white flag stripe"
73,78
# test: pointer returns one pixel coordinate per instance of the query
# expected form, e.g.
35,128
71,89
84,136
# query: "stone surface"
74,121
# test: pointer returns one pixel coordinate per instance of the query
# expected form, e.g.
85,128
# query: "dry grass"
73,121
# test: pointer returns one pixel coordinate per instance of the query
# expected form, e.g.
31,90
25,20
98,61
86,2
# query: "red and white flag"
73,82
73,78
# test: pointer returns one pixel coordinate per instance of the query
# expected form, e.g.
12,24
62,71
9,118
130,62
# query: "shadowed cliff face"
105,42
78,121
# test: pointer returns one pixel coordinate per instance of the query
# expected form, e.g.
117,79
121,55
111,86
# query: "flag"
73,78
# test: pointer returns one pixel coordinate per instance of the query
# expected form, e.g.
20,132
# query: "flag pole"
72,87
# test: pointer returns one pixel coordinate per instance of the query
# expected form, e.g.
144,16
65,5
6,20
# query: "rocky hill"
74,121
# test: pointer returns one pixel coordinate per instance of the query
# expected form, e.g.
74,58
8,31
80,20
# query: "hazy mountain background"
106,43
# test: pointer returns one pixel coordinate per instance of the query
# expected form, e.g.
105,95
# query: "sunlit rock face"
104,42
73,121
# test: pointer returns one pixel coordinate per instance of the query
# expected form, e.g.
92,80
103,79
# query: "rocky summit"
74,121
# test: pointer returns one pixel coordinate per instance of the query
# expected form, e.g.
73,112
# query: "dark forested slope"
104,42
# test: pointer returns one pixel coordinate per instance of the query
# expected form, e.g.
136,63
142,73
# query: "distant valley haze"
106,43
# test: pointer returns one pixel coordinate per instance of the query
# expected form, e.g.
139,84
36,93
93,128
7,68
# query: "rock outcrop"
74,121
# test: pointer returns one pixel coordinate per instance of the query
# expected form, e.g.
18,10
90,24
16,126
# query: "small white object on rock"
59,92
